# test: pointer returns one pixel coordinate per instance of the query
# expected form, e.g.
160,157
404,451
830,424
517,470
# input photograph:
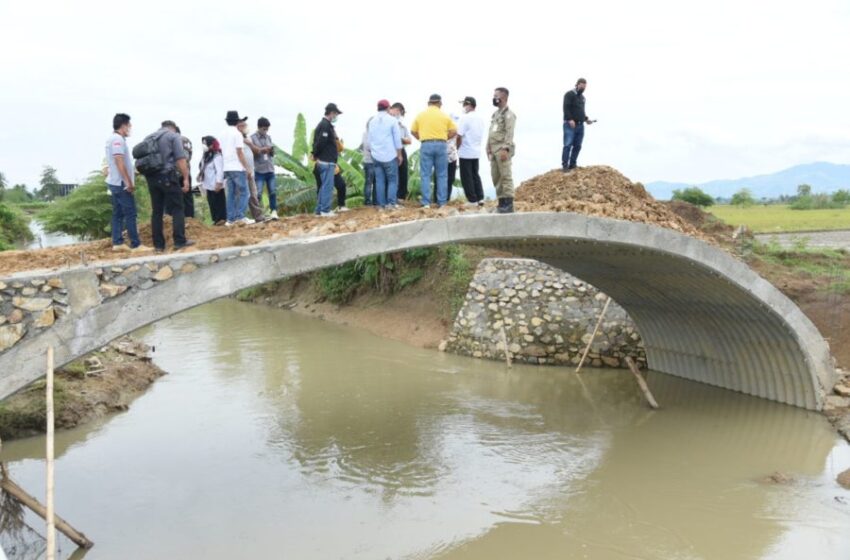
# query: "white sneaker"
229,224
246,221
122,247
327,215
274,215
342,209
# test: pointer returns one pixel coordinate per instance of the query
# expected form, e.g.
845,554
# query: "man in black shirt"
574,120
326,153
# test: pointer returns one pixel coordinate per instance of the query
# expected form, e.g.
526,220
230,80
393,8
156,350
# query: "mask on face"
206,148
496,102
333,120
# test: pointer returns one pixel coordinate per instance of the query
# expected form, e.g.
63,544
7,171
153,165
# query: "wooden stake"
505,345
641,383
593,336
50,514
61,525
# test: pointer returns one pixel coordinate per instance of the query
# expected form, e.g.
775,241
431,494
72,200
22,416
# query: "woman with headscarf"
212,179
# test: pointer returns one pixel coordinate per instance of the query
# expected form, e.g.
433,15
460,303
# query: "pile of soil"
595,191
599,191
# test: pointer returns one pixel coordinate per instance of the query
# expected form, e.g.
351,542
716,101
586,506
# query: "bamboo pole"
641,383
51,522
61,525
505,345
593,336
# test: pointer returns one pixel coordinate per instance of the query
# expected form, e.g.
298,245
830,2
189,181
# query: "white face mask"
206,148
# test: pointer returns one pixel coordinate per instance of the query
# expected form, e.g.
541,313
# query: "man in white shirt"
235,170
470,133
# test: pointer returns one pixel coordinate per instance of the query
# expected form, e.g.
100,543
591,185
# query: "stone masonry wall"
547,315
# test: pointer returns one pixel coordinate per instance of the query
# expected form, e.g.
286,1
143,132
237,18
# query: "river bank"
99,384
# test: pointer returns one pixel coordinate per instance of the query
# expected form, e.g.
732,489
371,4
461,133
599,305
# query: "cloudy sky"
684,91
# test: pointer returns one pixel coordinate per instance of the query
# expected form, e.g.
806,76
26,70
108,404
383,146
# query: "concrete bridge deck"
703,315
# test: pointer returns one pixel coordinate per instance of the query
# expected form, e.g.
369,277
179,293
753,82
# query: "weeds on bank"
831,264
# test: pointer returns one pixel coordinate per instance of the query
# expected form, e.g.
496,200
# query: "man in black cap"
165,187
574,121
470,133
326,153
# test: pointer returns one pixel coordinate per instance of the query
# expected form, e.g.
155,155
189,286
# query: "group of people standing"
445,144
237,168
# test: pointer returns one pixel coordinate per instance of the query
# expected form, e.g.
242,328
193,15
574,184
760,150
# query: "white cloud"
682,91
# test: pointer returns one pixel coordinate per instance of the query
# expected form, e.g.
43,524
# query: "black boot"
501,205
509,206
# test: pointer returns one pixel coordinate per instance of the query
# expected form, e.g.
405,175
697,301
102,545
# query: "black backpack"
149,160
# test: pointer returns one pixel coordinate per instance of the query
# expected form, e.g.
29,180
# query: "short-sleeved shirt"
471,130
246,149
263,163
433,124
116,145
232,140
171,148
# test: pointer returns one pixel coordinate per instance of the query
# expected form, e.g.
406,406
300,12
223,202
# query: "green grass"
832,265
777,218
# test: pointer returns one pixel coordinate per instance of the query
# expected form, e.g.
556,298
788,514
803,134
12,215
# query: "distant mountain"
822,176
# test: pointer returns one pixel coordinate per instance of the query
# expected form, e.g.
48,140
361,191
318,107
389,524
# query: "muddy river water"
279,436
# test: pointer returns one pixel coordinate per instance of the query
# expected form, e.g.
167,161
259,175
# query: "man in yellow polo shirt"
433,128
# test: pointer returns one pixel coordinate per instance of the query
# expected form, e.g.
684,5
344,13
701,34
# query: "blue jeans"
264,180
123,215
386,182
326,174
369,184
434,155
237,194
572,145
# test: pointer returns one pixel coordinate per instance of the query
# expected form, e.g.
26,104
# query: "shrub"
694,195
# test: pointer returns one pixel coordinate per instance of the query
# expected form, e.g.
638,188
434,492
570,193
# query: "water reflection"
284,435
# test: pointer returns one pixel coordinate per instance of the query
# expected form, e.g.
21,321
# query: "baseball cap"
469,101
383,104
332,108
434,98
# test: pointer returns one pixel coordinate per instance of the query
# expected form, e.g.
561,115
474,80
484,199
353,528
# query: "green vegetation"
693,195
87,212
778,218
460,271
50,189
13,227
17,195
385,274
831,266
743,197
25,414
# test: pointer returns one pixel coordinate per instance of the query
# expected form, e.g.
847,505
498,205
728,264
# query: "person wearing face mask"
263,149
325,152
406,139
470,133
501,149
574,121
121,185
211,177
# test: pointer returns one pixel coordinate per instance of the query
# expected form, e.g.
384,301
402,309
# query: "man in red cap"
384,136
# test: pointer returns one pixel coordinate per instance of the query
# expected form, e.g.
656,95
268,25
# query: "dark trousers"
452,175
166,194
217,202
369,193
403,176
189,204
573,138
471,180
339,185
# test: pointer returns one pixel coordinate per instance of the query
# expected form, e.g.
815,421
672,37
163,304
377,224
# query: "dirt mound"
599,191
595,191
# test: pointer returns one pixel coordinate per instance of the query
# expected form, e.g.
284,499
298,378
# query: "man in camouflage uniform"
500,150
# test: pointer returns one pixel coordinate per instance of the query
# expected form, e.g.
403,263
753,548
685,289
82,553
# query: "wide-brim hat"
234,118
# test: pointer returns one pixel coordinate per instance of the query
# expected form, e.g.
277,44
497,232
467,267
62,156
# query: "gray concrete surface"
703,314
